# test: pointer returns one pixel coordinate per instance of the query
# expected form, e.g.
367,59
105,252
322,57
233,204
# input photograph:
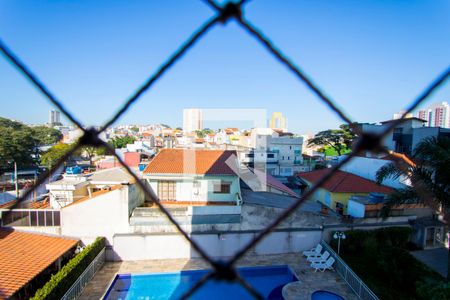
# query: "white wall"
367,167
356,209
103,215
142,247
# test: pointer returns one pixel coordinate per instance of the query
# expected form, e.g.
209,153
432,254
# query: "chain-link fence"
221,270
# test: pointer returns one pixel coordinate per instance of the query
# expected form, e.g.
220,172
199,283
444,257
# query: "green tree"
90,152
17,144
429,175
52,155
338,139
11,124
121,142
200,133
46,135
134,129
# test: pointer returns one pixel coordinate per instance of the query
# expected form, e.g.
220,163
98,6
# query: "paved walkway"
328,280
437,259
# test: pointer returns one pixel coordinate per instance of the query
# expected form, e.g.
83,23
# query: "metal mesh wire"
221,270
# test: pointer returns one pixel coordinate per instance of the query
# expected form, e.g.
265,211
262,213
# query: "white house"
194,176
67,190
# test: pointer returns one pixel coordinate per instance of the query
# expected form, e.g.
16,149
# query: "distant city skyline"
436,115
93,61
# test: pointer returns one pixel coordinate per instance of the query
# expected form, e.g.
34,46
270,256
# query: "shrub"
381,258
434,290
369,240
60,282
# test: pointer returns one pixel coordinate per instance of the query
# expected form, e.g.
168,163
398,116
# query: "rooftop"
344,182
406,119
190,161
112,175
40,204
23,256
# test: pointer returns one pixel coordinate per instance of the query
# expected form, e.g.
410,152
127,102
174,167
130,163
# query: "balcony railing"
76,289
354,282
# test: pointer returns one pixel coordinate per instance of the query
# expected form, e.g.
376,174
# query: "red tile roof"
33,204
24,255
189,161
344,182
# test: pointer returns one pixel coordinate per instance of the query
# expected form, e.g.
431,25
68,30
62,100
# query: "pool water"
324,295
266,280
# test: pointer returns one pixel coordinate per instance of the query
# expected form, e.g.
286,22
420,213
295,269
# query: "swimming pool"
325,295
266,280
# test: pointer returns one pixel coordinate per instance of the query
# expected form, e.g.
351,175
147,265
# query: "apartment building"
281,152
436,115
406,135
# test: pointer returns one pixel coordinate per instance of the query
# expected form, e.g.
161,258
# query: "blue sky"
371,57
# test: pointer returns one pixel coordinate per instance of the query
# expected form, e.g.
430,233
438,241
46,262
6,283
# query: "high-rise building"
54,118
192,119
278,121
436,115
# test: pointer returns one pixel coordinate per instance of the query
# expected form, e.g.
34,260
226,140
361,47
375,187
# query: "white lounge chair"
314,251
322,258
322,266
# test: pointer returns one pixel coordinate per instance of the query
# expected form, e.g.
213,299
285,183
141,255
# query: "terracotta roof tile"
24,255
189,161
344,182
33,204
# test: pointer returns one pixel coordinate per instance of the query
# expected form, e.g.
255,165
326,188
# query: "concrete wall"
136,197
213,210
103,215
423,132
141,247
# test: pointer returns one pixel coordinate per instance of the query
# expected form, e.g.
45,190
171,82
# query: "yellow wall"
343,198
329,199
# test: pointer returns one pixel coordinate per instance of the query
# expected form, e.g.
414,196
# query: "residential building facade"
436,115
194,176
406,135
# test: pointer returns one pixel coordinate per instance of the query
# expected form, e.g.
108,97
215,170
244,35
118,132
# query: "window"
167,190
221,187
283,157
270,155
288,158
196,184
249,155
